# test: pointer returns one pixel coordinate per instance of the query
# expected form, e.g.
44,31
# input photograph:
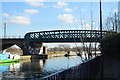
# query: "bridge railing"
63,35
11,37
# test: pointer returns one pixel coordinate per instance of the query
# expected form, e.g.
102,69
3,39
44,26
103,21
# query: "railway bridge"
33,41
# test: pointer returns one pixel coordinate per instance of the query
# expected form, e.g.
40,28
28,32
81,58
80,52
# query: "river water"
35,69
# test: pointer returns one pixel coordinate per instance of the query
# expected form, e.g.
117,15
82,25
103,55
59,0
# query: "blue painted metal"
64,36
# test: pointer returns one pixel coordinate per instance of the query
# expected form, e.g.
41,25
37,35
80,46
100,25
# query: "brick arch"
5,46
6,43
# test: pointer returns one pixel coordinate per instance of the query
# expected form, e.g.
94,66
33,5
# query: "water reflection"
3,68
34,69
9,66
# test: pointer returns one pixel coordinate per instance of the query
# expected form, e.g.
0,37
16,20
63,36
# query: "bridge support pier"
31,48
45,50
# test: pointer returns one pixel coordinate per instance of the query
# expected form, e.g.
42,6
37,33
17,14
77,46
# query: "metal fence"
86,71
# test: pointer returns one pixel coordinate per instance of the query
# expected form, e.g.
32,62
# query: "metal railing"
11,37
85,71
64,36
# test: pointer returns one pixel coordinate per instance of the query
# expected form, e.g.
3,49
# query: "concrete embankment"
23,57
40,56
56,55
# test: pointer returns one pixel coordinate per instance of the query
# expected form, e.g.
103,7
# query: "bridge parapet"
12,37
64,36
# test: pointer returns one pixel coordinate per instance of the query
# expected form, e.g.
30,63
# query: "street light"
100,20
102,69
4,30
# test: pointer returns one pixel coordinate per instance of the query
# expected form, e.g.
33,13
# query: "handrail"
82,71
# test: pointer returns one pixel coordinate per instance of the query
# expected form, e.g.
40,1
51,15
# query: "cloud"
67,18
20,20
93,23
86,26
34,0
115,10
5,15
68,10
35,3
60,4
31,11
1,24
82,10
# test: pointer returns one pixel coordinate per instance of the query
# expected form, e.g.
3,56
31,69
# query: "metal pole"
102,71
100,20
4,30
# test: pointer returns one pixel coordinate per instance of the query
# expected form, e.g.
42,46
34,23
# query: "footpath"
111,68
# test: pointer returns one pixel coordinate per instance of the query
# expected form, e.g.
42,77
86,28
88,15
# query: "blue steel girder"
64,36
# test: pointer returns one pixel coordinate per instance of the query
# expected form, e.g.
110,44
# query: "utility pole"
102,68
4,30
100,21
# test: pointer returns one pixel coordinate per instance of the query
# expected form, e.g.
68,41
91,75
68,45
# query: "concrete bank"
23,57
56,55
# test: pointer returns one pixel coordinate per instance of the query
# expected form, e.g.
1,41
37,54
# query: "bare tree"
64,47
111,22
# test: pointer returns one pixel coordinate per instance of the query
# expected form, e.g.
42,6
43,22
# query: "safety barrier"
86,71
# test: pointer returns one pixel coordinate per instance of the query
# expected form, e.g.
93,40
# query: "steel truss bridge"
64,36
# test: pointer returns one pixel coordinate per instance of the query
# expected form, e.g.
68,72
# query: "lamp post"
4,30
100,20
102,68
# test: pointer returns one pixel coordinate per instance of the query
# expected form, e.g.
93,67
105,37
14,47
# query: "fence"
86,71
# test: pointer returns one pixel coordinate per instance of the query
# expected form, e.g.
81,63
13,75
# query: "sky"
23,17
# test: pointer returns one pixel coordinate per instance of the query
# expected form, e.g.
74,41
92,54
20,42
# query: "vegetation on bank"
111,40
109,34
63,49
111,44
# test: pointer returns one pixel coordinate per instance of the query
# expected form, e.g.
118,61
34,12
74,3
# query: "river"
35,69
